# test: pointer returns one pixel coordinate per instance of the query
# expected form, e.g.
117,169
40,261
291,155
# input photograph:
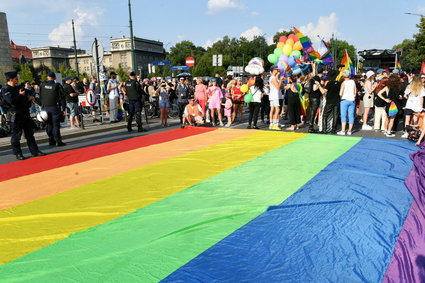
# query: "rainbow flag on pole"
348,65
307,46
398,65
206,204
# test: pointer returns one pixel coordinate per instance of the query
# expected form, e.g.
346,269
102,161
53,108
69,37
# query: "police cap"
132,74
10,75
51,75
68,78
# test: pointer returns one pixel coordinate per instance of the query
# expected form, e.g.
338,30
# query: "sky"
365,24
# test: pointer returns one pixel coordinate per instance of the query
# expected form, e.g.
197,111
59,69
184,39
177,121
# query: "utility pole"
133,59
75,50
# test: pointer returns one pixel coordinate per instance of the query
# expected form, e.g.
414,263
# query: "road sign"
97,52
90,97
161,63
217,60
175,68
237,69
190,61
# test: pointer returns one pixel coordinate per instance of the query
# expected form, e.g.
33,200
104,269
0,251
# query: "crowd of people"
327,102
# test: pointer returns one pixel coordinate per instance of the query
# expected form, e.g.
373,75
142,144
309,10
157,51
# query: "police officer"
134,93
19,116
52,98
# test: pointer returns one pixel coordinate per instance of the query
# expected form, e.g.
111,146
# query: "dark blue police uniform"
134,93
52,98
20,120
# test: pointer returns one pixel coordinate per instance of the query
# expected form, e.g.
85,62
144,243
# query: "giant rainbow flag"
214,205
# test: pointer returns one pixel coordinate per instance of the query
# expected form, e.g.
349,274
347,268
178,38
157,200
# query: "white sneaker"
228,125
221,124
390,135
341,133
349,133
366,127
405,136
208,120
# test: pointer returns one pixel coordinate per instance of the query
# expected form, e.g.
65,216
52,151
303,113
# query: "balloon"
272,58
281,66
278,52
280,45
283,58
244,88
293,37
291,61
251,82
296,70
297,46
290,41
256,61
287,49
248,98
283,39
296,54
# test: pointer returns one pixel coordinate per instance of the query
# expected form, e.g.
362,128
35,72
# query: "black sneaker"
249,127
60,143
52,142
38,153
256,128
19,156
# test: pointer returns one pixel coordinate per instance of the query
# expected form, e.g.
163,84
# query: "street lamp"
413,14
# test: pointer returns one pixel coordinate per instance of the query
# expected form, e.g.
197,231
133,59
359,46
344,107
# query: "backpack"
3,103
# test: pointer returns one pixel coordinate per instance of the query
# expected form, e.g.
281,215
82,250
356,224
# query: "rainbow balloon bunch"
287,54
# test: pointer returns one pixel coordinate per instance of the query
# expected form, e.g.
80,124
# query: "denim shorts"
164,104
73,109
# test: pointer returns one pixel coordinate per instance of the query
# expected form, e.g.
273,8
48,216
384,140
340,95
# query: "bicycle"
173,111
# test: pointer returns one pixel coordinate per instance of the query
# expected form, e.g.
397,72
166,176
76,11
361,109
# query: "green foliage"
413,49
26,73
279,34
65,71
339,47
44,76
123,76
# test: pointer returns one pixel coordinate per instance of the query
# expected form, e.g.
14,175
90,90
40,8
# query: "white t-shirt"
275,93
113,92
414,102
349,90
256,94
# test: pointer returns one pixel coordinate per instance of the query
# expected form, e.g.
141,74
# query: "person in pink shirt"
228,109
214,97
201,94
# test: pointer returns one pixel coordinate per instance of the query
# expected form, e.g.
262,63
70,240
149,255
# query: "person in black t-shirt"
315,99
331,110
71,97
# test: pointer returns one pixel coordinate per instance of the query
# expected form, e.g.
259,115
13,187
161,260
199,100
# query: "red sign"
190,61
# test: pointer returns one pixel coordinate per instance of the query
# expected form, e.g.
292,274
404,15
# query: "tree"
339,47
65,71
44,76
279,34
413,49
26,74
121,73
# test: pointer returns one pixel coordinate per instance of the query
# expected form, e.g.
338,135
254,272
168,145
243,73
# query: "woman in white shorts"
368,98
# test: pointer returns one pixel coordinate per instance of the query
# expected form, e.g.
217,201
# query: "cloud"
324,28
209,43
63,33
251,33
215,6
180,37
255,13
421,10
